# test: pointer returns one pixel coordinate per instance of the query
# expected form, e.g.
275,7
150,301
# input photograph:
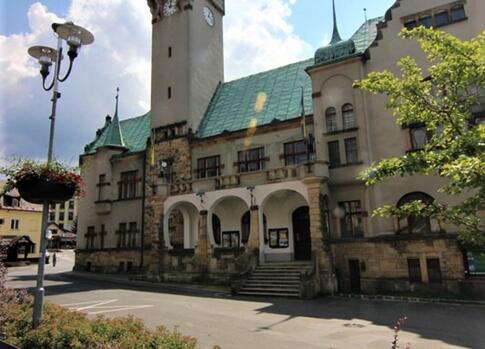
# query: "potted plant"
40,182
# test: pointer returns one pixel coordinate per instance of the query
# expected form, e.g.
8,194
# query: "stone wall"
384,262
108,261
176,153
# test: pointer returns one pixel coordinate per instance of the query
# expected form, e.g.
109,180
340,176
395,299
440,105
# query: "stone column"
202,250
253,243
321,250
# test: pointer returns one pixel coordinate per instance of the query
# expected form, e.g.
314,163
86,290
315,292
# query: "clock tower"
187,61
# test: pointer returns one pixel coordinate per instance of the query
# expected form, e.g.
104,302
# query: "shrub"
62,328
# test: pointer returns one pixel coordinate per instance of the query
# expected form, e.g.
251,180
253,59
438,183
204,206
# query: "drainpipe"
142,230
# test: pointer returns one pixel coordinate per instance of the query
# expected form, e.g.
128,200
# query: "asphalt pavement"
213,316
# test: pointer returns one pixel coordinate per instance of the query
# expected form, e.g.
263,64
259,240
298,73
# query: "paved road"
266,323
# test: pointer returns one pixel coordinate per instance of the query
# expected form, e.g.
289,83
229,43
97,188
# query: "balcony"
103,207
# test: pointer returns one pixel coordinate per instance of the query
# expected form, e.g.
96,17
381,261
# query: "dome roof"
335,51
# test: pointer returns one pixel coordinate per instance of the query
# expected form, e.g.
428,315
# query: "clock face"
170,7
209,16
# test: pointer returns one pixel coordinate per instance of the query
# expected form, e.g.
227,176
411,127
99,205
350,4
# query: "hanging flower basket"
40,190
41,183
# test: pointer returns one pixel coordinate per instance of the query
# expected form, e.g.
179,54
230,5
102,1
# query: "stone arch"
229,215
188,214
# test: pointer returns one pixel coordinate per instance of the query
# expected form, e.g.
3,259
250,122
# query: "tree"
444,99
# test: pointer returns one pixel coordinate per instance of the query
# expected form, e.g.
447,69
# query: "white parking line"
99,306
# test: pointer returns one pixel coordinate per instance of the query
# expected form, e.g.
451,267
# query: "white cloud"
257,37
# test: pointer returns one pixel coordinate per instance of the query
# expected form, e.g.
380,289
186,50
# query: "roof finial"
335,36
117,97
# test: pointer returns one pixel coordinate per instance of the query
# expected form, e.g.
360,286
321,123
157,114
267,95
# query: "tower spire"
335,35
114,136
117,97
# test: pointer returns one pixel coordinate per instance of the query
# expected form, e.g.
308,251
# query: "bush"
62,328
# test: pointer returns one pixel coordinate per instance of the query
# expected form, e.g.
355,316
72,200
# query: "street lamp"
75,36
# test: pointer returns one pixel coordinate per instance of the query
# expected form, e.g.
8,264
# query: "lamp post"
75,36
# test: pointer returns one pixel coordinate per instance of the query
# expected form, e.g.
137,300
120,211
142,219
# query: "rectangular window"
14,224
90,234
457,13
169,92
230,239
71,204
209,167
351,223
251,160
54,231
132,232
128,185
296,152
426,21
61,216
121,235
170,52
102,188
434,270
334,153
441,18
2,221
52,216
351,152
278,238
436,17
70,216
419,137
410,24
102,233
53,206
414,270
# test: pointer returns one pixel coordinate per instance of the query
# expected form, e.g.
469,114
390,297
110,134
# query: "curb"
410,299
189,289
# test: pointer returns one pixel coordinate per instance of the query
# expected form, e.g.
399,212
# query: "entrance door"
301,234
354,269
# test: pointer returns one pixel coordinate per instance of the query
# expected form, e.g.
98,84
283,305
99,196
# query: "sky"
258,35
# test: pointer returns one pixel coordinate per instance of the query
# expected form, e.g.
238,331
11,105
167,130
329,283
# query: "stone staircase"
275,279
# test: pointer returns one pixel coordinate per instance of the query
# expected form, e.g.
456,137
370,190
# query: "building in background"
20,227
63,224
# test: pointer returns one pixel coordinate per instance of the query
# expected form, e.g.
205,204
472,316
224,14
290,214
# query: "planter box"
38,191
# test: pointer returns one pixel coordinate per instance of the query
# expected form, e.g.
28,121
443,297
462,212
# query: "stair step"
248,293
270,285
272,282
277,272
271,289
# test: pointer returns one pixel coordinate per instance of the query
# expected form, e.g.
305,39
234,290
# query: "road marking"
120,308
99,306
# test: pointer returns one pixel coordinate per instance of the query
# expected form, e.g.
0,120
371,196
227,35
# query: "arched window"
348,116
216,229
331,119
245,227
413,224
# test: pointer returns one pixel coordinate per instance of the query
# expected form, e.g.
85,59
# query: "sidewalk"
126,280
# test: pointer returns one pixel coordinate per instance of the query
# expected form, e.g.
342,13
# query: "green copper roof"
258,100
135,133
114,137
355,46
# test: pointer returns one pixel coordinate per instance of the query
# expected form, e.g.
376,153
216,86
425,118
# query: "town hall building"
253,182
